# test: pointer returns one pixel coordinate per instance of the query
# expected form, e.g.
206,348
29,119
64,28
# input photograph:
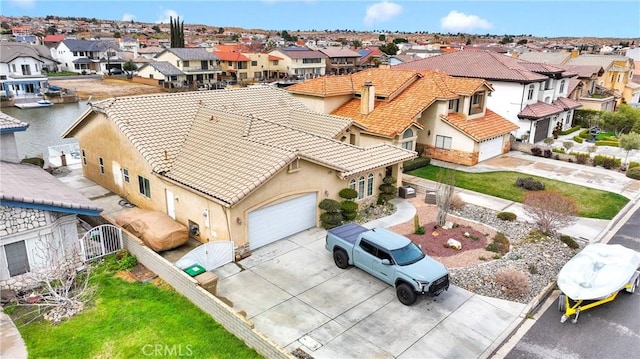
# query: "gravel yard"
474,268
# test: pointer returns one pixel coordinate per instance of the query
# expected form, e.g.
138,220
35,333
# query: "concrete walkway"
11,343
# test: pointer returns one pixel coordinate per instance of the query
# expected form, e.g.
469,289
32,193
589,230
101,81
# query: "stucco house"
301,61
23,69
35,208
165,73
201,68
87,56
340,60
533,96
584,89
247,165
448,116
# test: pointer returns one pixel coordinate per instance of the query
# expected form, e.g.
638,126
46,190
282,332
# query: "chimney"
575,53
367,98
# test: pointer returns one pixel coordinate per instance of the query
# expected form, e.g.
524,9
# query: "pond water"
46,126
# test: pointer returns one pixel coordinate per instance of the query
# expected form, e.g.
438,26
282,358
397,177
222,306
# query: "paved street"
610,330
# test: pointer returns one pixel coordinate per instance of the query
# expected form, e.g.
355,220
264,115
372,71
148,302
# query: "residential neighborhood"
499,158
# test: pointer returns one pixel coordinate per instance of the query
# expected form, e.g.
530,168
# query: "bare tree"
444,193
551,210
63,280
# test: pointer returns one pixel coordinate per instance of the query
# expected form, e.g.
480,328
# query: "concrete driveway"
293,292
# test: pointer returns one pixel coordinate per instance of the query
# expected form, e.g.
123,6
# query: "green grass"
62,74
592,203
606,135
133,320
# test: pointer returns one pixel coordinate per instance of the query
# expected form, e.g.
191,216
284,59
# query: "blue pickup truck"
390,257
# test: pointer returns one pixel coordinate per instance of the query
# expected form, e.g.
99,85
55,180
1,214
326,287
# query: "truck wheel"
562,305
341,258
406,294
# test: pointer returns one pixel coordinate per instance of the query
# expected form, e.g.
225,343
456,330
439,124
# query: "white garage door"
490,148
280,220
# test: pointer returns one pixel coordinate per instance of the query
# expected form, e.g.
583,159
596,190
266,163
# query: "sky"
542,18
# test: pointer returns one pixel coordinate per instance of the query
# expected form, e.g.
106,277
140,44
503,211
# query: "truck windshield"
408,254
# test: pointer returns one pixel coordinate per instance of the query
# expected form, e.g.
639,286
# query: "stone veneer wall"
15,220
220,311
453,156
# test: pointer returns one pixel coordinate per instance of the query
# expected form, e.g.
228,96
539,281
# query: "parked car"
115,71
392,258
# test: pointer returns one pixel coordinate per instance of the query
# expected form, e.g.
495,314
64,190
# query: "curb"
502,342
606,232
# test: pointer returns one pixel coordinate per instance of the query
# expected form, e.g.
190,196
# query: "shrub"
606,161
348,193
507,216
420,149
572,129
387,190
529,184
329,205
547,153
558,150
329,220
585,134
536,151
633,164
578,139
456,202
499,244
569,242
513,282
415,164
612,143
582,158
550,209
556,157
634,173
34,161
533,269
349,210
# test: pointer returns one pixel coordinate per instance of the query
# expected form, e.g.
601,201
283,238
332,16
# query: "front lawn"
593,203
132,320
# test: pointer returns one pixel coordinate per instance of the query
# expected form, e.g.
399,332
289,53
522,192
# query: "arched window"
352,184
407,139
562,86
530,95
370,184
361,187
408,133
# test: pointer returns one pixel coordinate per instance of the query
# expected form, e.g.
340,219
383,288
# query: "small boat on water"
39,103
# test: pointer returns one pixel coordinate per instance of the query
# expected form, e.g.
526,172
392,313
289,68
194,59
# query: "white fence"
101,241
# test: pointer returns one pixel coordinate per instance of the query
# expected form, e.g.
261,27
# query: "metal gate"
100,241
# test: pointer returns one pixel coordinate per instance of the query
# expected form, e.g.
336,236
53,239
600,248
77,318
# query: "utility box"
430,198
208,281
407,192
195,270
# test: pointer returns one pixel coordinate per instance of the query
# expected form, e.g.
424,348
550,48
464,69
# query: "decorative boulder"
455,244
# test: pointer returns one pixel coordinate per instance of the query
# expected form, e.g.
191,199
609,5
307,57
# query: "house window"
17,259
13,67
361,187
531,90
257,75
101,161
561,86
477,103
144,186
125,175
619,78
443,142
352,184
370,178
243,76
26,70
568,120
185,63
84,158
453,105
254,63
407,139
612,76
547,84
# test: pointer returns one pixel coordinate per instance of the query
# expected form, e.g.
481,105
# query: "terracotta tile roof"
29,186
339,52
301,53
566,103
409,93
230,56
543,68
584,71
491,125
227,47
573,83
274,58
476,63
237,139
598,60
539,110
10,124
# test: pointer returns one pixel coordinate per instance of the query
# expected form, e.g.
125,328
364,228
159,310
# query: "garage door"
542,130
280,220
490,148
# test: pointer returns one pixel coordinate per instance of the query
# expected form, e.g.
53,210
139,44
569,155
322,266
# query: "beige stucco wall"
322,104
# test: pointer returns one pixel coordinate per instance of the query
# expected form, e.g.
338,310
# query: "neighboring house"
617,76
23,69
446,115
87,56
201,68
51,41
168,76
533,96
584,89
36,208
400,59
265,67
248,165
301,62
149,52
234,66
371,57
340,60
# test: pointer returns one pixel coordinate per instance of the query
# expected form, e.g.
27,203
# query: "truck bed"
348,232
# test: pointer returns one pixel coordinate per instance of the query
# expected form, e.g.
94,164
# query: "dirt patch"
434,241
104,88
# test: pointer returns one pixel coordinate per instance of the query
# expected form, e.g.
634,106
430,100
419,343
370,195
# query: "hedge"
578,139
607,143
572,129
634,173
415,164
634,164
